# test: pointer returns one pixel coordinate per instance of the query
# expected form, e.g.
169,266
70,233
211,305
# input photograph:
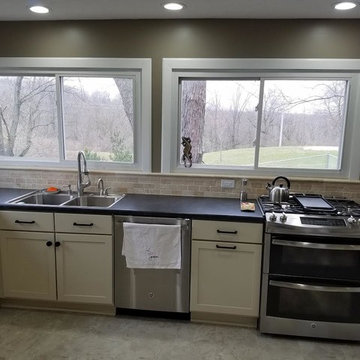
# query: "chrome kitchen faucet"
84,171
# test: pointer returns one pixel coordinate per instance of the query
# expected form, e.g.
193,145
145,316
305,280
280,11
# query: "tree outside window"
302,122
98,117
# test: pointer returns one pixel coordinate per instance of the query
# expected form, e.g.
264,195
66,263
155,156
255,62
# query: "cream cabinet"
1,277
227,231
84,268
26,221
28,265
84,258
27,255
63,257
226,268
83,223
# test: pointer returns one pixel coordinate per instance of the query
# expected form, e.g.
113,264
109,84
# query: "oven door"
310,256
304,307
305,299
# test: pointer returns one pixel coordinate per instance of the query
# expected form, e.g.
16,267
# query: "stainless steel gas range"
311,268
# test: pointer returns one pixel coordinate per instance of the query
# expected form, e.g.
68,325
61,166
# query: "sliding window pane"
219,116
28,118
302,124
99,118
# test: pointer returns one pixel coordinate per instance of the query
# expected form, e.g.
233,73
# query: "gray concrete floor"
43,335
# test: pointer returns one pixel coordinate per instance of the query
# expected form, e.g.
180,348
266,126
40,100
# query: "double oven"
311,271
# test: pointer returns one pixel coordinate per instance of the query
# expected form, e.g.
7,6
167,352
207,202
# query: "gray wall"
157,39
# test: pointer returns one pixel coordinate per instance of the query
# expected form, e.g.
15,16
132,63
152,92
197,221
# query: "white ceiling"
152,9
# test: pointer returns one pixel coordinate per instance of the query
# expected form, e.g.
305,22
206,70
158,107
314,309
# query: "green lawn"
282,157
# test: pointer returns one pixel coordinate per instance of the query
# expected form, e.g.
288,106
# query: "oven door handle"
298,286
309,245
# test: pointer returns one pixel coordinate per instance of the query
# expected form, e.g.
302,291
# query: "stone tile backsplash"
160,184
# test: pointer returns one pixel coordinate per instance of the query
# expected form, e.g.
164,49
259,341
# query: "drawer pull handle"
24,222
57,243
49,243
77,224
226,232
226,247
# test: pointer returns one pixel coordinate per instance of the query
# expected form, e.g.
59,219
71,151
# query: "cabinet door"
225,278
1,276
28,265
84,268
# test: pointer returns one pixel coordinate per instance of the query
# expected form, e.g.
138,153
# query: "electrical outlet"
227,183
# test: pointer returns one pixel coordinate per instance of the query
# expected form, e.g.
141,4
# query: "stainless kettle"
280,193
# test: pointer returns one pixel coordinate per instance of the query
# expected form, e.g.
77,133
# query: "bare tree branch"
37,90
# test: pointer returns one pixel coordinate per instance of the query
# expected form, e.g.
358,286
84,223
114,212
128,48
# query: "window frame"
139,69
176,69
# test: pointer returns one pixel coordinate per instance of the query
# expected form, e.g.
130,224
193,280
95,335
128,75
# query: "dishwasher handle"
147,220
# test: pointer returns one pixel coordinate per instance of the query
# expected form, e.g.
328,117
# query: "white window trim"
140,68
174,69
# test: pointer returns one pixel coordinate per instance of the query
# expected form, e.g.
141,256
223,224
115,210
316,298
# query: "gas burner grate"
344,207
290,206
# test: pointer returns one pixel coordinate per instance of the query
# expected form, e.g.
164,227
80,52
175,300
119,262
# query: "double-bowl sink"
62,199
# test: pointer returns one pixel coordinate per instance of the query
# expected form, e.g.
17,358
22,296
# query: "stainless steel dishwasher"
162,290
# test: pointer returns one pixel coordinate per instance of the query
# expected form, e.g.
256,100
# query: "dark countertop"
150,205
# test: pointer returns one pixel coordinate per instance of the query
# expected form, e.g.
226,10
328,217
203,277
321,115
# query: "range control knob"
283,217
351,220
272,217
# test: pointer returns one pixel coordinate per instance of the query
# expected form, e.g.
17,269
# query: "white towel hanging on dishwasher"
152,246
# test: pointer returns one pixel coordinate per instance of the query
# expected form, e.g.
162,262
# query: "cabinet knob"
48,243
57,243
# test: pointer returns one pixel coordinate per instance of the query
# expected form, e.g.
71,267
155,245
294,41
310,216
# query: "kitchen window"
52,108
261,116
302,123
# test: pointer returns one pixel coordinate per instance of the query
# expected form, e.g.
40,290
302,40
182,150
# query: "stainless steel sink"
42,199
94,200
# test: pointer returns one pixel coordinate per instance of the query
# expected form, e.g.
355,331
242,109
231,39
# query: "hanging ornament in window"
187,155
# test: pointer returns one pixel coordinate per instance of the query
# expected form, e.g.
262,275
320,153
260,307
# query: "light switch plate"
227,183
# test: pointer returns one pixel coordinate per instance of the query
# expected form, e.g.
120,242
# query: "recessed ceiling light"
345,5
39,9
173,6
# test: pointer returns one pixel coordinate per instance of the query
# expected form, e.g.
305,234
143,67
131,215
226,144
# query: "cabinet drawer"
227,231
83,223
26,221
